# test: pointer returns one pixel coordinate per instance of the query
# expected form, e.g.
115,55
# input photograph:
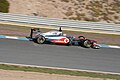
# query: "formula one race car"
57,37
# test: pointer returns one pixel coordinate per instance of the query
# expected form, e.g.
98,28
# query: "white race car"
56,37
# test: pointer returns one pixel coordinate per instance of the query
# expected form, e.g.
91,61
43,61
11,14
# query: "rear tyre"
40,40
87,44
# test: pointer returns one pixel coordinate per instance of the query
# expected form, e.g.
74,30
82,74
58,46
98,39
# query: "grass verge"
60,71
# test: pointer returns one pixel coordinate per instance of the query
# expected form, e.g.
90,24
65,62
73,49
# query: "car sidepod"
61,41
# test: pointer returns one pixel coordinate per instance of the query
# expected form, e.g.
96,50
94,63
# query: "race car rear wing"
34,31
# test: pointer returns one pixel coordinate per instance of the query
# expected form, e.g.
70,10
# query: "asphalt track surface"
73,57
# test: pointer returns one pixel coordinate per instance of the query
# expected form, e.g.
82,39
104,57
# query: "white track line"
11,37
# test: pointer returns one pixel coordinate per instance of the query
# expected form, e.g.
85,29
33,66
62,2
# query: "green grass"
4,6
60,71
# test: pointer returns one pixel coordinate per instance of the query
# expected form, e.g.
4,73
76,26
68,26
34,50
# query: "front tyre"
87,44
40,40
81,37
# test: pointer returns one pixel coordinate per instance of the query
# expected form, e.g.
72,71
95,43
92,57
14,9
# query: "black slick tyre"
87,44
40,40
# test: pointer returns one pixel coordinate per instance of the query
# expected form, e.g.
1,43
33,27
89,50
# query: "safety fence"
59,22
